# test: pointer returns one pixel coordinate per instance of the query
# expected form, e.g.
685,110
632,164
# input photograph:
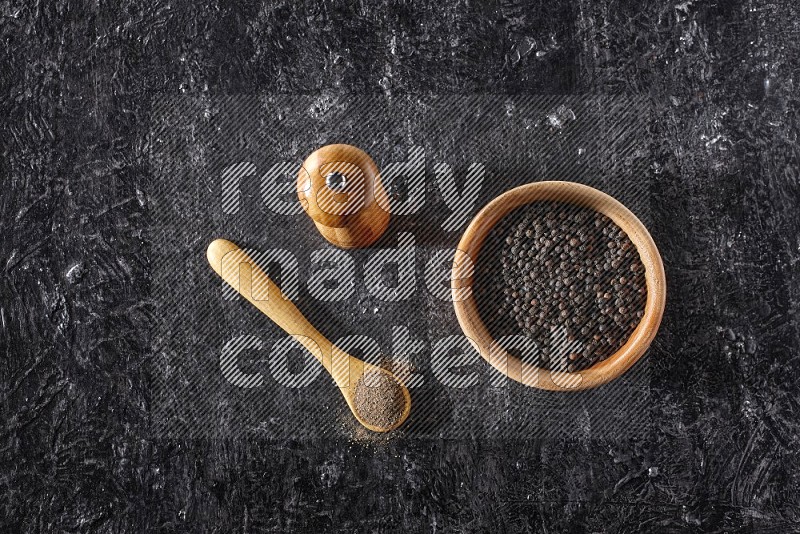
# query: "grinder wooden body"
340,188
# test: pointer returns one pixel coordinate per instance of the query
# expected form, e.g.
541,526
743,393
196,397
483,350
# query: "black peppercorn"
562,266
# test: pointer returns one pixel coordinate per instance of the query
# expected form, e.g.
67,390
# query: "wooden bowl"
508,364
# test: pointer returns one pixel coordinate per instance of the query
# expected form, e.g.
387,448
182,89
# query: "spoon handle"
246,277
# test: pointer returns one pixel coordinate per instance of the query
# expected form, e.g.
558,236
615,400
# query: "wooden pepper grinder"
340,188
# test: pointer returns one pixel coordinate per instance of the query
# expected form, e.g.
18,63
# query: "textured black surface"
76,315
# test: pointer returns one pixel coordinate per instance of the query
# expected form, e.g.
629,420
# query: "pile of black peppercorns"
568,277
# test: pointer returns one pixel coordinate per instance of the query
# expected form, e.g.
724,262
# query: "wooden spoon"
242,273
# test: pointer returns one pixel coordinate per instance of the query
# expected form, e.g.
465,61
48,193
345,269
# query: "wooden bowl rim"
462,279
